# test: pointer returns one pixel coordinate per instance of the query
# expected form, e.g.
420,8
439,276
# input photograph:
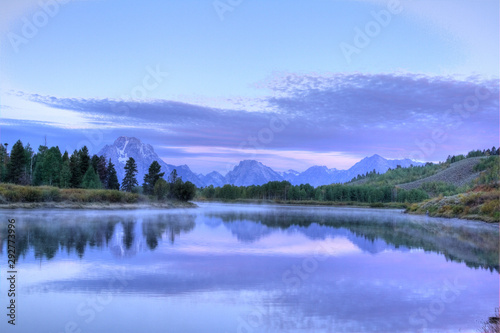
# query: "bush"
114,196
51,194
30,194
490,207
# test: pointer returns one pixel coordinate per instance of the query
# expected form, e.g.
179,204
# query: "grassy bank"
480,204
16,196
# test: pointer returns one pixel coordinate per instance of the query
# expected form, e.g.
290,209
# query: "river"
248,268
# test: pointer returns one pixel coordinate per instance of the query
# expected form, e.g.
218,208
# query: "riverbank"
482,204
34,197
98,205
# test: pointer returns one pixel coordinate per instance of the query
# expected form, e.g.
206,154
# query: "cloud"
326,116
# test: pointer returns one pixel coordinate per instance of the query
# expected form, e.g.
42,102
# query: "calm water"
246,268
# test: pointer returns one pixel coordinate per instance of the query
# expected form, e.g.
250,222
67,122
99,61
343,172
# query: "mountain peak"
125,147
251,172
249,162
123,139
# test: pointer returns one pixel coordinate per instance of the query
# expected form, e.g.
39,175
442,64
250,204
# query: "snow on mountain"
379,164
317,175
289,175
247,172
213,178
125,147
321,175
250,172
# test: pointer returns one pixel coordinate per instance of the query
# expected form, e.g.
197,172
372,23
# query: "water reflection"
226,264
475,244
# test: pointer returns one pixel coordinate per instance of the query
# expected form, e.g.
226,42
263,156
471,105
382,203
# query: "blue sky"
209,83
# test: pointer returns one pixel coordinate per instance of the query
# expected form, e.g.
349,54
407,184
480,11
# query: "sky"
291,84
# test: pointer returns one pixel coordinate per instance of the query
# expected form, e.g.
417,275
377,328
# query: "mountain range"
246,173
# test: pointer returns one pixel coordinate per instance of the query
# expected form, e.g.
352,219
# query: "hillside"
458,174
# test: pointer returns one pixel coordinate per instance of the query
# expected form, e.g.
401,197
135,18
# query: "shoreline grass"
17,196
483,203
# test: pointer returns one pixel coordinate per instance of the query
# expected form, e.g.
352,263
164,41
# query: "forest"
50,168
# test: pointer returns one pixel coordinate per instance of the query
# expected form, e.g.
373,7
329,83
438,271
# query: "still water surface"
249,268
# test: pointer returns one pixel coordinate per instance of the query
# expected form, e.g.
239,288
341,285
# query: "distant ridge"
246,173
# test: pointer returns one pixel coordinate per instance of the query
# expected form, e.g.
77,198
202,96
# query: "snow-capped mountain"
321,175
316,176
289,174
143,154
379,164
250,172
213,178
247,172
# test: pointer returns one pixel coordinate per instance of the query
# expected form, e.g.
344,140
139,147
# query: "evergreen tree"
65,156
84,159
65,176
129,181
102,170
51,167
16,168
112,180
91,179
76,173
173,177
38,165
94,161
152,177
4,157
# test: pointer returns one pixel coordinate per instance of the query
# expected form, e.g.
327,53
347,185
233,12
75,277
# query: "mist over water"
251,268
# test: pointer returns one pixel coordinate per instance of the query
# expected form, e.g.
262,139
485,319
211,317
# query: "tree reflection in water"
473,243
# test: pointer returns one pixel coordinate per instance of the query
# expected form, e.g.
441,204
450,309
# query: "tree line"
284,190
48,166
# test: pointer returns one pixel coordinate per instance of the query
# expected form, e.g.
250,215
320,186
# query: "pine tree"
16,168
76,173
129,181
38,165
65,176
173,177
94,161
4,157
51,167
91,179
152,177
65,156
102,170
29,153
83,154
112,180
